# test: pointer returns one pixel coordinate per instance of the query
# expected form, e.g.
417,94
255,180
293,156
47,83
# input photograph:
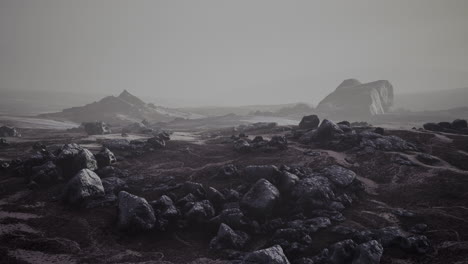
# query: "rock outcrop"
351,99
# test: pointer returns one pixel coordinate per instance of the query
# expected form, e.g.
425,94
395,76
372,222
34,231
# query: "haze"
231,52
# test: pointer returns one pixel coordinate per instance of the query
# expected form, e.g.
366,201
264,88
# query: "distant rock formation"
123,109
353,99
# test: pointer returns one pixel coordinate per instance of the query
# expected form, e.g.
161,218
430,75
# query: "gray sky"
231,52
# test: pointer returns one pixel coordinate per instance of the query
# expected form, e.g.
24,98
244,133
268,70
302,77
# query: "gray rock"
279,142
135,214
105,158
340,176
309,122
287,181
215,197
261,199
242,146
272,255
228,239
194,188
459,124
328,130
114,185
368,253
85,160
313,192
342,252
156,142
96,128
6,131
46,173
255,172
201,211
85,185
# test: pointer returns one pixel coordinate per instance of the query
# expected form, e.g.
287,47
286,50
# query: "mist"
229,53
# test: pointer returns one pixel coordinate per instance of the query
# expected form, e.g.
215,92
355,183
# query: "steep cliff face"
351,99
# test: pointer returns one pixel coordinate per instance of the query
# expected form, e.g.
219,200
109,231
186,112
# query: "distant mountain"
125,108
432,101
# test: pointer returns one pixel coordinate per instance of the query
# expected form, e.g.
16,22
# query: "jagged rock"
215,197
46,173
194,188
328,130
459,124
340,176
6,131
368,253
164,136
200,211
242,146
356,100
38,146
156,142
309,122
114,185
279,142
342,252
105,158
96,128
432,127
385,143
66,157
417,244
233,217
165,207
110,171
379,130
255,172
261,199
228,239
135,214
313,192
85,185
287,181
3,142
85,160
272,255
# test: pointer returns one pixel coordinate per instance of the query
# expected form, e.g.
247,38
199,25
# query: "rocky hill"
352,99
125,108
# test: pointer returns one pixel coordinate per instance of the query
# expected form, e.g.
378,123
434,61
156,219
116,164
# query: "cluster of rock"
136,146
243,144
71,163
343,136
96,128
286,205
6,131
458,126
256,126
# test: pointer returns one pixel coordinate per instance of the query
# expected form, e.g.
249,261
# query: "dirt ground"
437,194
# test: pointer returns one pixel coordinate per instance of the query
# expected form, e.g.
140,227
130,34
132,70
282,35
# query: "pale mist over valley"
246,132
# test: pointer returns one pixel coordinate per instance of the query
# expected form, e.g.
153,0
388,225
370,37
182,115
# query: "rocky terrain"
315,192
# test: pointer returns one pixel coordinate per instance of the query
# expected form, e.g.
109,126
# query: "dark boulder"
261,199
340,176
459,124
114,185
46,173
309,122
194,188
3,143
279,142
105,158
228,171
368,253
242,146
96,128
200,212
253,173
342,252
328,130
272,255
313,192
84,160
84,186
6,131
156,142
379,130
287,181
432,127
228,239
215,197
135,214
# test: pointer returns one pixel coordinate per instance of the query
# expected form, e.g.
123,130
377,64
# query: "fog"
231,52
